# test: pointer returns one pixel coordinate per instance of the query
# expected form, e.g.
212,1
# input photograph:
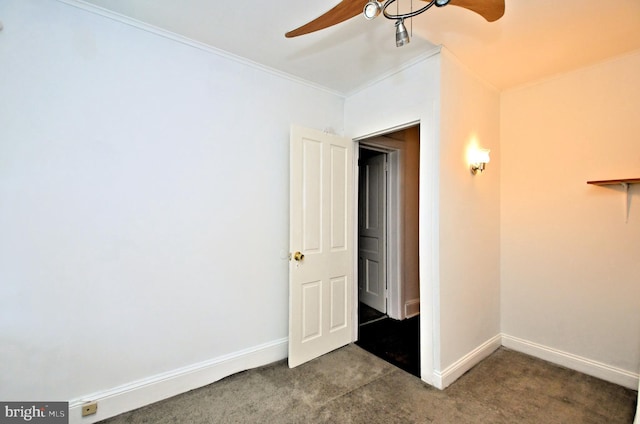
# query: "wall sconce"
478,158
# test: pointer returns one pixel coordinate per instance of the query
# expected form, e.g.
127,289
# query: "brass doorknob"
298,256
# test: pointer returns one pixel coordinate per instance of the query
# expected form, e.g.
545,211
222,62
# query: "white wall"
570,264
144,206
144,202
459,213
411,96
469,221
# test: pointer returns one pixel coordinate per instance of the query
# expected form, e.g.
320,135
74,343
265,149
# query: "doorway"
388,272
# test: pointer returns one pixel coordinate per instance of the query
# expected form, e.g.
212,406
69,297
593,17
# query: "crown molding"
118,17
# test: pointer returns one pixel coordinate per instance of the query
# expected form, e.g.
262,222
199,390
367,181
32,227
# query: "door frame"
428,243
395,215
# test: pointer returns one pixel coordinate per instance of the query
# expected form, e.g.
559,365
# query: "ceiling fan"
491,10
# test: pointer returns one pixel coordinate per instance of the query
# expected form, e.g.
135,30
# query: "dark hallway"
397,342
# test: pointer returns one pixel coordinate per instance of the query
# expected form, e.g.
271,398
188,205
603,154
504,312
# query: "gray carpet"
351,385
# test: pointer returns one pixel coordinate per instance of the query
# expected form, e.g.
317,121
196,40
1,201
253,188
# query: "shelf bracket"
625,183
627,202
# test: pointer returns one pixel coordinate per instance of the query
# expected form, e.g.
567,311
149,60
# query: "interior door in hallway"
372,281
321,243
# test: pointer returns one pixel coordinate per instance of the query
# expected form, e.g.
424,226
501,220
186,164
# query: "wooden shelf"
625,183
612,182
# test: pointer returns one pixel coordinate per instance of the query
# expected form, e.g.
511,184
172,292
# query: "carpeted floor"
351,385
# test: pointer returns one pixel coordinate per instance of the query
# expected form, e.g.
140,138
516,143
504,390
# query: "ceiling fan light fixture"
372,9
402,36
490,10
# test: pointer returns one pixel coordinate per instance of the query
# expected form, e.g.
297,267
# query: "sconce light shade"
478,160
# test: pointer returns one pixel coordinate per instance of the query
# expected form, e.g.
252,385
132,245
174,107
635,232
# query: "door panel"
341,161
321,211
339,309
311,195
311,310
372,232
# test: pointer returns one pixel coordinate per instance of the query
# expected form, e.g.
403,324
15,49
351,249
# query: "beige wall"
411,186
469,214
570,272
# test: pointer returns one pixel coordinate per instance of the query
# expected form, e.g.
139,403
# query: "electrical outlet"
89,408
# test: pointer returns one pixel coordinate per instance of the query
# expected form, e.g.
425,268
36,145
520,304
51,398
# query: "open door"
372,224
321,244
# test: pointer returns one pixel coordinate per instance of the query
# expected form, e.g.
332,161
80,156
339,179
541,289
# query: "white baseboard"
162,386
411,308
574,362
155,388
464,364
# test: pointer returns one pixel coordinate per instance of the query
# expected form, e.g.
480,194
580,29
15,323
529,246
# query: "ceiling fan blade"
344,10
491,10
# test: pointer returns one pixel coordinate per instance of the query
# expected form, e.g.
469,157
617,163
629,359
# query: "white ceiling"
534,40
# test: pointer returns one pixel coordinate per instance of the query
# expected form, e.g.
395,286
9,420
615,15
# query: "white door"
372,282
321,244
